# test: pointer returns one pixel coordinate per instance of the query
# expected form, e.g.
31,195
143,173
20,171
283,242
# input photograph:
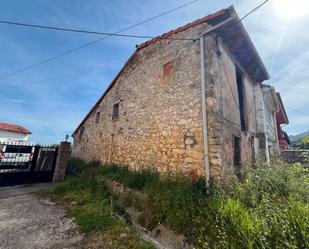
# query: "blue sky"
53,108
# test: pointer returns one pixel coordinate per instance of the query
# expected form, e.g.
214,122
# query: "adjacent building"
190,101
282,120
13,132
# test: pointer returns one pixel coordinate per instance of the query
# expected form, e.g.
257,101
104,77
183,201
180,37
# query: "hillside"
297,138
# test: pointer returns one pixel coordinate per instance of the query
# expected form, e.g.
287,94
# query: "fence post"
33,164
64,153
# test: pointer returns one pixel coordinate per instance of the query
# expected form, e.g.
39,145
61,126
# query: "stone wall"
159,123
223,110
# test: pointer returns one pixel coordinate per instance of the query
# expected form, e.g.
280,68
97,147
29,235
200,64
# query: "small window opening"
97,117
240,89
81,133
168,69
116,110
237,155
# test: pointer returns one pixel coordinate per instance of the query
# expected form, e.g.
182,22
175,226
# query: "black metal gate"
22,163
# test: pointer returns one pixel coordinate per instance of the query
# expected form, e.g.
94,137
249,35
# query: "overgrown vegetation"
88,201
268,208
136,180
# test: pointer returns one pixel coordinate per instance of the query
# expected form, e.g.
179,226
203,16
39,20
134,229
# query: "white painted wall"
7,135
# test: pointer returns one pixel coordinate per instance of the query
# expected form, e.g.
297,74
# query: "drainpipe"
110,149
203,93
265,132
109,160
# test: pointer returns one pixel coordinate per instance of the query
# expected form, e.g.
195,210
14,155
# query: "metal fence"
25,162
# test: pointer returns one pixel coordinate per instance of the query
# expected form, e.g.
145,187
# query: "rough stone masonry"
150,116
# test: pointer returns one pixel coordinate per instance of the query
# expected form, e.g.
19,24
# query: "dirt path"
27,222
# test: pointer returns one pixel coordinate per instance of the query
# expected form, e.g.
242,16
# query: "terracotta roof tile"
182,28
13,128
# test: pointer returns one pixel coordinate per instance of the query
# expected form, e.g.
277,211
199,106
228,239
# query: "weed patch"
136,180
87,200
98,220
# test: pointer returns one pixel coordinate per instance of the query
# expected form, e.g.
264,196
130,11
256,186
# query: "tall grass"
268,208
88,201
136,180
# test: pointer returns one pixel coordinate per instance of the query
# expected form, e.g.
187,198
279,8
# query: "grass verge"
88,201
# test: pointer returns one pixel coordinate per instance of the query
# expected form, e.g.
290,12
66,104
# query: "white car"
16,154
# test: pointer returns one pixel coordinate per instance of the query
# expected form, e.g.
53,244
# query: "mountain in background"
297,138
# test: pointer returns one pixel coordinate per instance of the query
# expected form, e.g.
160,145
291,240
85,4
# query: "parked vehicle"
16,154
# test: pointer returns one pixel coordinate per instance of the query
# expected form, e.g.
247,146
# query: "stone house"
186,102
270,116
266,125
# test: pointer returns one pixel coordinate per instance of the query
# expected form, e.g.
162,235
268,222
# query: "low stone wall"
161,236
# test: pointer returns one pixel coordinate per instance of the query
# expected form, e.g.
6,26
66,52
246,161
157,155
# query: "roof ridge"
13,128
181,28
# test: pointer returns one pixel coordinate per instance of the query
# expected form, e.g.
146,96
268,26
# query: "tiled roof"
13,128
182,28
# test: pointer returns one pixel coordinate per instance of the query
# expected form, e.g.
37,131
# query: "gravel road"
27,222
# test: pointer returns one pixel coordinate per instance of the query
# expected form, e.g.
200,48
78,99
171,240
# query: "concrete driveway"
27,222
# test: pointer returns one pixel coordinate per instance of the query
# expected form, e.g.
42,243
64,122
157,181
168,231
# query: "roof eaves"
282,107
246,35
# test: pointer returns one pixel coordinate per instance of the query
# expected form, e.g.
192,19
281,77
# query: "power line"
70,74
249,13
106,35
94,41
91,32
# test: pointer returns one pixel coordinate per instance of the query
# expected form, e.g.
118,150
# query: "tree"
304,143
